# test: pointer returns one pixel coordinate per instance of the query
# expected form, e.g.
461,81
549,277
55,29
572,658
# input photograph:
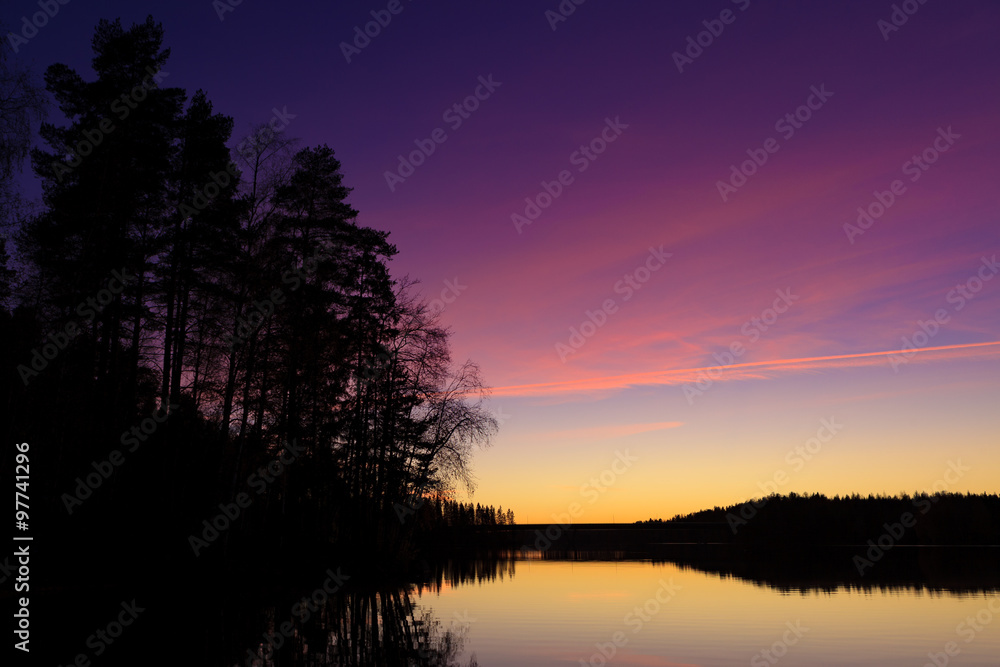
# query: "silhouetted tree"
106,182
246,297
22,103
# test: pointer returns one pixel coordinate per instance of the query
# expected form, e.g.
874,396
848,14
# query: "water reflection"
475,567
400,626
791,568
550,607
356,628
360,627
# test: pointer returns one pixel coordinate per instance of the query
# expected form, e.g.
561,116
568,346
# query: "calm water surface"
697,605
566,612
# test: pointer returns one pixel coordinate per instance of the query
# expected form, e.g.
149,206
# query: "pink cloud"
746,371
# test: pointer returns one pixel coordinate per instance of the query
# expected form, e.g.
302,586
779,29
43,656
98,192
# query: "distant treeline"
940,518
437,512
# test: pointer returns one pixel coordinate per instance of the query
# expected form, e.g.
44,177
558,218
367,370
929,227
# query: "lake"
635,612
670,606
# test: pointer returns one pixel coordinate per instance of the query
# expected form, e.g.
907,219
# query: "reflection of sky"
553,613
656,185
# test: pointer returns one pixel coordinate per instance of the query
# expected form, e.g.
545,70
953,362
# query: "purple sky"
517,292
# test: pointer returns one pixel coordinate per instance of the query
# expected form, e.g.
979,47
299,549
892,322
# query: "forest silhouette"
925,518
211,347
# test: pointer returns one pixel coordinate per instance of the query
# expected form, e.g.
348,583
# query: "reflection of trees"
949,569
803,567
380,627
483,566
358,629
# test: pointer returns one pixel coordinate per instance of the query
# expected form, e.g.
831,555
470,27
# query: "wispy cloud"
746,371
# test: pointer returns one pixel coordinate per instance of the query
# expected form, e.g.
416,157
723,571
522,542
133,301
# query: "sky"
702,251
